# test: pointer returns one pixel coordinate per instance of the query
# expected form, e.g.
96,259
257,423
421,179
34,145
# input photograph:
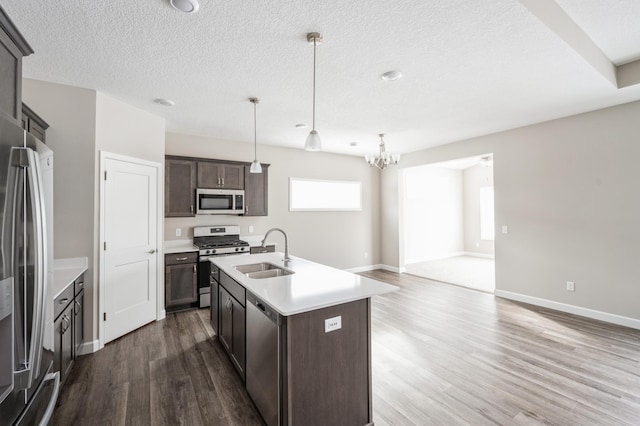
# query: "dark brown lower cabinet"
181,280
232,329
63,345
78,323
68,326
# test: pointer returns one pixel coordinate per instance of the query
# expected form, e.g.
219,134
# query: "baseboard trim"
163,315
363,268
374,267
570,309
482,255
89,347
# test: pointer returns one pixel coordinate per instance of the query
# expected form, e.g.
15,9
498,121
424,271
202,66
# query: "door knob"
151,251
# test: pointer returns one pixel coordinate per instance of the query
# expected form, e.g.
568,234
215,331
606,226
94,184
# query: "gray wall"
567,189
338,239
82,122
474,178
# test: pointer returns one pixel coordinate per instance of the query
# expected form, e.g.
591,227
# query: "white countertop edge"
179,246
279,292
66,271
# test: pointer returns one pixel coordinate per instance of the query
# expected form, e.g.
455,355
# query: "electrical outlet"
333,324
505,229
250,228
178,232
571,286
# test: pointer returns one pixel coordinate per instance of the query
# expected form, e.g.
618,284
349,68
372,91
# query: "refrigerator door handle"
54,397
34,181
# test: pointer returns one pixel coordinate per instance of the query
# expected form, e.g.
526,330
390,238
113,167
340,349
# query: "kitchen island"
299,334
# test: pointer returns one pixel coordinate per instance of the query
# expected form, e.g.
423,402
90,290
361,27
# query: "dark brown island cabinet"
68,326
315,377
181,281
183,175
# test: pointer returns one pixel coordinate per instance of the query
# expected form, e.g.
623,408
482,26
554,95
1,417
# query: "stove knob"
208,251
213,251
241,248
237,249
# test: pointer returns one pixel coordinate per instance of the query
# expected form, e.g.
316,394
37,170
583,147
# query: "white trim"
89,347
571,309
160,314
163,315
374,267
482,255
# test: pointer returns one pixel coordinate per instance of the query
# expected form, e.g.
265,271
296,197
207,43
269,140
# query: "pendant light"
255,166
313,142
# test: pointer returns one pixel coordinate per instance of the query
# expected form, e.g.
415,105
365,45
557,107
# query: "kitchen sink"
262,270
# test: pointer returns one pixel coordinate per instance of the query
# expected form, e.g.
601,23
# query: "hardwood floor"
441,355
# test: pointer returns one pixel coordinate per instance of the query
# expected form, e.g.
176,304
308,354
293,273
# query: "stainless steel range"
223,240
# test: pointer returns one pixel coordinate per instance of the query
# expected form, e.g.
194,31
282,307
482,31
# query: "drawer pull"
63,301
181,258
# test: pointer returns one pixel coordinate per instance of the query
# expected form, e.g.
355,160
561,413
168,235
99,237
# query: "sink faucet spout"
286,243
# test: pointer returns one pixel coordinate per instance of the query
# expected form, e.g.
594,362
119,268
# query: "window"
487,230
324,195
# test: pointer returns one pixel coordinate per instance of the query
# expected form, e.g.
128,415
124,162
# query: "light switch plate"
505,229
333,324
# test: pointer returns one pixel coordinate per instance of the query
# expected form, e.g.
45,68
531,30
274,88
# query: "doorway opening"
449,227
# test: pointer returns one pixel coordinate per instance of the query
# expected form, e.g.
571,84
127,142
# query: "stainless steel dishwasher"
263,361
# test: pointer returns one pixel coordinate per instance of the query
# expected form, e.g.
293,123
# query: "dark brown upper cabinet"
256,192
218,175
12,48
179,187
33,123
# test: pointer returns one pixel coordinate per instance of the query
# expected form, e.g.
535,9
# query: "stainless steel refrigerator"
28,385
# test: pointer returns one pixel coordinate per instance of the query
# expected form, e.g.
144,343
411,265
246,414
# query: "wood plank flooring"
442,354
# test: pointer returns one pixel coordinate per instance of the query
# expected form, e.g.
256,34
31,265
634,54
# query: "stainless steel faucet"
286,243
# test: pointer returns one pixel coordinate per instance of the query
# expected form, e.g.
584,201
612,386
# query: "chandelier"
384,159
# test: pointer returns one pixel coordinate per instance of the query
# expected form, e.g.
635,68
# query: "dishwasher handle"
265,309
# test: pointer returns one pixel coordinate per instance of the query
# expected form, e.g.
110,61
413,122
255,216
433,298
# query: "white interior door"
130,208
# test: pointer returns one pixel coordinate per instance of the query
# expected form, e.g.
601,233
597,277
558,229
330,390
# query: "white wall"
474,178
433,213
339,239
567,189
82,122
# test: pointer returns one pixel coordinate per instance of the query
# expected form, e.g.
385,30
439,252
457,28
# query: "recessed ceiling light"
391,76
164,102
186,6
353,143
301,126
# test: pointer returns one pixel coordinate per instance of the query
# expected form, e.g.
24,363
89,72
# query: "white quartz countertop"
179,246
66,271
312,286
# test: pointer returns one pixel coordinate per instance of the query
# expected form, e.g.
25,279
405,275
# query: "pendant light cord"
255,134
314,83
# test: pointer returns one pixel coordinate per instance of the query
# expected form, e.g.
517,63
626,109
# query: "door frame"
160,312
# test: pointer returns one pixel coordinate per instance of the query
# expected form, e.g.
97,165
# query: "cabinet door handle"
78,306
191,208
246,208
222,181
194,269
181,258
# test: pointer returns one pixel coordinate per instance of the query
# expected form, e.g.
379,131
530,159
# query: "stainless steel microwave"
219,201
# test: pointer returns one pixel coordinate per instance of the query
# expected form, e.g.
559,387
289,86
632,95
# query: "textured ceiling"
470,67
